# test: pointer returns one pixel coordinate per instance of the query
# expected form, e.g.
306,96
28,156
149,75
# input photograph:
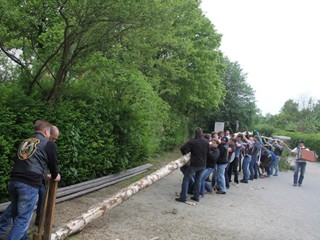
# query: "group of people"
223,156
36,163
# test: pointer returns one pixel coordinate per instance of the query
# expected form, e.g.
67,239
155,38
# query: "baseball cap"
225,139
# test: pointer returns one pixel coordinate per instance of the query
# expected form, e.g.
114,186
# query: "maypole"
102,208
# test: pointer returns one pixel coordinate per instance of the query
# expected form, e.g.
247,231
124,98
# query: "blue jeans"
269,168
188,175
276,165
42,197
245,167
23,200
220,177
233,169
204,185
302,167
226,176
5,221
214,176
253,168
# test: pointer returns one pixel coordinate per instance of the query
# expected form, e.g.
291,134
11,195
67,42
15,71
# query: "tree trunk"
102,208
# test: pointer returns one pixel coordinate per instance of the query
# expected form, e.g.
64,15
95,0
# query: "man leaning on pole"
35,155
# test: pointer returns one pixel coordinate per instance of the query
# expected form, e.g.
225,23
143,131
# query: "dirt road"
269,208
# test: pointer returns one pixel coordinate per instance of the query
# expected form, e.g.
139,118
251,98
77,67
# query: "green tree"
239,103
301,116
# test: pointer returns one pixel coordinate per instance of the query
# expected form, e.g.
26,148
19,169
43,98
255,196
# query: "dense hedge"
311,140
97,137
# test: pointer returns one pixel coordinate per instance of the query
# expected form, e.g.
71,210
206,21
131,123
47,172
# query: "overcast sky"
276,42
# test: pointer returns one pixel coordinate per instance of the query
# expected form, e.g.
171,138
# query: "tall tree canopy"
171,42
238,106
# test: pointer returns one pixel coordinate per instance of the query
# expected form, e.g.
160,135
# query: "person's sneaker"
275,175
180,200
220,192
299,184
243,181
294,184
194,199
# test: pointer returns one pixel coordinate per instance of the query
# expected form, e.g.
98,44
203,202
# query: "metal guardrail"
76,190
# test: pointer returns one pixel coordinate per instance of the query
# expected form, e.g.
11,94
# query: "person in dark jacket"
35,156
278,149
231,156
253,167
220,185
6,217
199,149
211,164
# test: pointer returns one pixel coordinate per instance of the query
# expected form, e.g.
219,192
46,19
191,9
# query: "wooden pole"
102,208
50,210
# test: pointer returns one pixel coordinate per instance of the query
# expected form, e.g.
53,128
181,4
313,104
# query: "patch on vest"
27,148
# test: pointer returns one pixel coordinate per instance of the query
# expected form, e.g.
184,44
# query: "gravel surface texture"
269,208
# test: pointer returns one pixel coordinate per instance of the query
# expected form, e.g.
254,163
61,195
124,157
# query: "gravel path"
269,208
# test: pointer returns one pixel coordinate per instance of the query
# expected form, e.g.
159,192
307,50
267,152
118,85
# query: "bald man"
54,135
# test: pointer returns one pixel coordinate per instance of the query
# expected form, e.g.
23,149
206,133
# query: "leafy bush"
311,140
265,129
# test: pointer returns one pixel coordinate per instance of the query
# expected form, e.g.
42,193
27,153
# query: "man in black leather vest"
35,155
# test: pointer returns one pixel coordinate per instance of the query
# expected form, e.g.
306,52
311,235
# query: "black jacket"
211,162
35,156
223,158
199,149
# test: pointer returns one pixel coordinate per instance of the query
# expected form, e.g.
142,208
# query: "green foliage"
5,167
303,116
239,102
265,129
311,140
18,113
85,144
284,164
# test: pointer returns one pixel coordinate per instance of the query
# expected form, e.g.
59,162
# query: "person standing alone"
300,164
